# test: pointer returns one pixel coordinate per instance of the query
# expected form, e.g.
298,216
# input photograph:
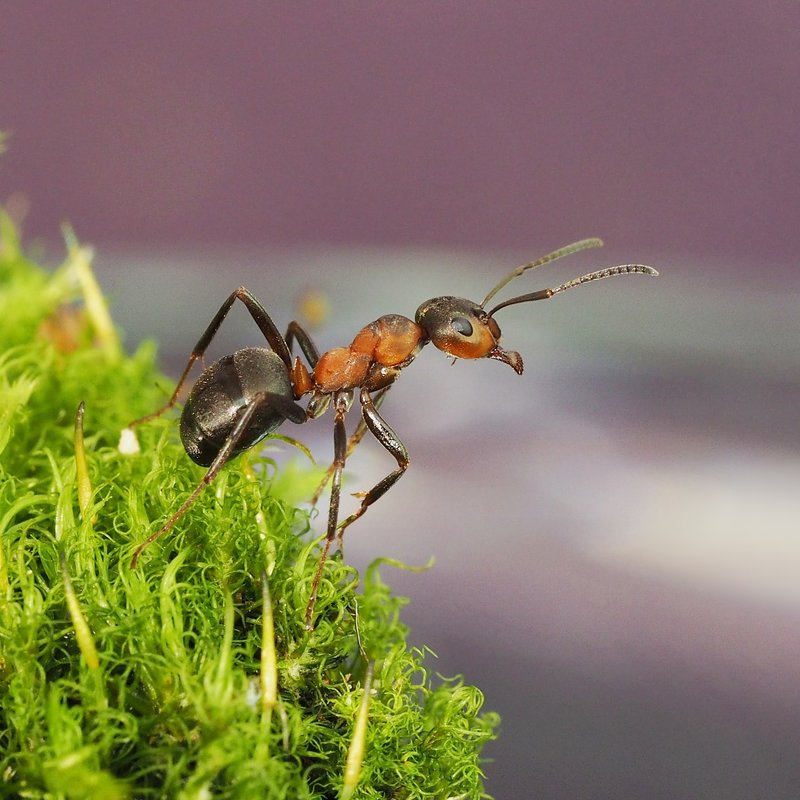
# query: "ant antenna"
583,244
546,294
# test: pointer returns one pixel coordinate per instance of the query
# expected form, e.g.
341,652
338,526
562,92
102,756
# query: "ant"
243,397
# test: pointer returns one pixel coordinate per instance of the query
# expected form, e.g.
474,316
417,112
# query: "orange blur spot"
314,307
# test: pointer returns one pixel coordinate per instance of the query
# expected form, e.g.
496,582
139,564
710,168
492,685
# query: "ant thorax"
373,359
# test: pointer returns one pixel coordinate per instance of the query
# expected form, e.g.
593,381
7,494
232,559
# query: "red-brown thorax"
373,360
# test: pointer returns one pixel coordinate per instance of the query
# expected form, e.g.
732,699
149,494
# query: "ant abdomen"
220,396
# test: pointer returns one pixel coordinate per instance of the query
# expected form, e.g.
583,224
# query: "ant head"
463,329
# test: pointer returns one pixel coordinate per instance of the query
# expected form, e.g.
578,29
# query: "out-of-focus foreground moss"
191,676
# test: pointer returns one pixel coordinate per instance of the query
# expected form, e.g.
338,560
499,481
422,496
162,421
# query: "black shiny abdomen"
220,395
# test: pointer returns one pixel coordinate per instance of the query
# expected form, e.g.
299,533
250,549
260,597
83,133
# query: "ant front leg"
260,317
342,402
389,439
352,443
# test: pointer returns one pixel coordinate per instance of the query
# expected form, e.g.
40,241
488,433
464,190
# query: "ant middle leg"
342,402
296,332
260,317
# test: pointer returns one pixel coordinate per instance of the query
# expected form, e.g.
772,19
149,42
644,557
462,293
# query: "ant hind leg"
260,317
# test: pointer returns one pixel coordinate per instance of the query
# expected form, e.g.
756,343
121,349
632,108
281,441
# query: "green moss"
192,676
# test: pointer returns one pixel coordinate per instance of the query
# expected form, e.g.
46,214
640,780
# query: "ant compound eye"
462,325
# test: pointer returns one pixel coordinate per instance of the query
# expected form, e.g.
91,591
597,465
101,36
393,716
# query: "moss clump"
192,676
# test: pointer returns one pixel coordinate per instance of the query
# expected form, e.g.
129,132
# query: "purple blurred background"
619,566
449,124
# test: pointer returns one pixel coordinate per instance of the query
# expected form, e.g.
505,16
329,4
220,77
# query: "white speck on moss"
128,443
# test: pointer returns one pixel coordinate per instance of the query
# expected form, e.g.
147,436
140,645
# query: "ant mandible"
243,397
